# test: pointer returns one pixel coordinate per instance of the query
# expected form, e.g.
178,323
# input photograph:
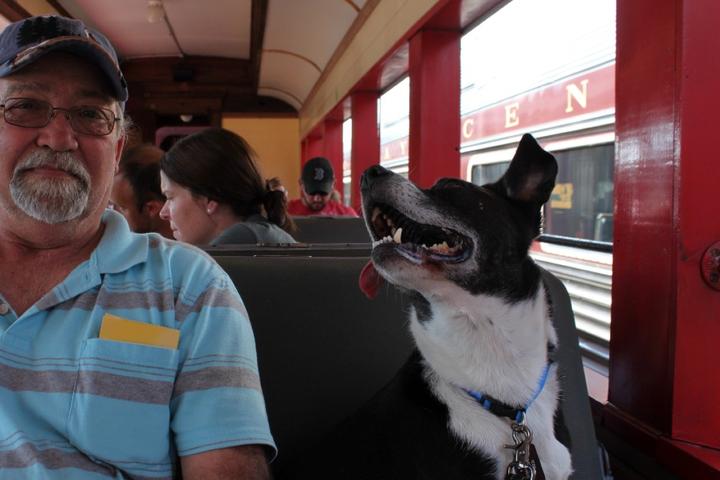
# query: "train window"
581,205
559,86
394,109
347,161
488,173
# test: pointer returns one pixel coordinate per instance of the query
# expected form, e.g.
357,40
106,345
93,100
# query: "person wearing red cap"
317,184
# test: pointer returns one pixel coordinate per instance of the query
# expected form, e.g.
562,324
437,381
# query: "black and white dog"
481,323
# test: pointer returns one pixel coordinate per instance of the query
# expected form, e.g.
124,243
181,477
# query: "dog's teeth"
397,237
375,213
440,247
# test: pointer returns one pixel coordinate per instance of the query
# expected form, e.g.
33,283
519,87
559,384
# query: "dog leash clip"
521,468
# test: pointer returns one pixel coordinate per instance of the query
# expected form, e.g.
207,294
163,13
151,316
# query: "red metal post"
314,146
333,145
696,416
434,67
365,150
665,319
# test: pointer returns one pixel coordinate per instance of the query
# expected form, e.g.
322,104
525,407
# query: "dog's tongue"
370,280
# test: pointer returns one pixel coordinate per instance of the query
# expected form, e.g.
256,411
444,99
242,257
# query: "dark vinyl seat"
293,250
574,401
324,349
322,229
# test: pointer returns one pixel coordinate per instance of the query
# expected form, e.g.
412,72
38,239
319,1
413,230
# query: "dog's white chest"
501,350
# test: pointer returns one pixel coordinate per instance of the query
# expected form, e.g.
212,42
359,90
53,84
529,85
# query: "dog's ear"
530,178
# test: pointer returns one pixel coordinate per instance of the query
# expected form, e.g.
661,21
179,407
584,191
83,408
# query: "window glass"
555,79
394,109
512,52
581,205
347,160
489,173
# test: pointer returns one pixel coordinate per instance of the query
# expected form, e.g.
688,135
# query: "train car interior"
621,92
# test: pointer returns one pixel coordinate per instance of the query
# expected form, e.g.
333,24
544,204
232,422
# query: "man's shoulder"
170,259
337,208
180,254
296,207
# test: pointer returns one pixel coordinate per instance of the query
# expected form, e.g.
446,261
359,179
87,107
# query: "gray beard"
54,200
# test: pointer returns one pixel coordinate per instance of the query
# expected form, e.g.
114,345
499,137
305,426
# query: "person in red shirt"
316,187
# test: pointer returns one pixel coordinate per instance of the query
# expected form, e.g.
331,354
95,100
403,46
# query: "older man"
119,352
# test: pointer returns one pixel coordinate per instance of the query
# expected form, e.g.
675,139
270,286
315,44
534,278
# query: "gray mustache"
65,161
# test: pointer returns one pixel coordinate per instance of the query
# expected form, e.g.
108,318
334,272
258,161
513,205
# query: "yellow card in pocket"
130,331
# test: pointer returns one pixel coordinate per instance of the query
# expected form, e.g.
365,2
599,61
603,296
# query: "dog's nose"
372,174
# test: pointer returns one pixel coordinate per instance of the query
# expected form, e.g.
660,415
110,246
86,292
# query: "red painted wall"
696,416
665,320
365,150
434,145
333,150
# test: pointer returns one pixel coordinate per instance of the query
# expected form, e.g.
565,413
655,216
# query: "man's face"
315,201
124,201
54,174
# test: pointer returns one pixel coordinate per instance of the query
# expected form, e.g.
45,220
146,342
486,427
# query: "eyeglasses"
322,194
84,119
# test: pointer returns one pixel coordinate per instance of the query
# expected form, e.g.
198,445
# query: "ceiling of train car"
295,42
300,38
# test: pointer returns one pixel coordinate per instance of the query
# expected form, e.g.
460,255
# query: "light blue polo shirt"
74,406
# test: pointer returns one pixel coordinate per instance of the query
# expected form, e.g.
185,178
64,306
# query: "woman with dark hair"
215,194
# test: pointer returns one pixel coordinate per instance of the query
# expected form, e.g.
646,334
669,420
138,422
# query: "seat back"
324,349
296,250
322,229
574,401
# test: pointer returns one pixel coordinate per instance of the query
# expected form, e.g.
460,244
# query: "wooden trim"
172,33
258,23
11,10
284,92
360,20
597,385
244,115
59,8
297,55
352,4
681,458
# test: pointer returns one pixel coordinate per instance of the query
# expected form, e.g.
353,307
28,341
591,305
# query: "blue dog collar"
516,414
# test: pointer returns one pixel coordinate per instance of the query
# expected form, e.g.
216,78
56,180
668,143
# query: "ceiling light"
186,118
155,11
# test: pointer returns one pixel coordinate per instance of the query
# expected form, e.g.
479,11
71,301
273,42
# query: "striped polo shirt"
75,406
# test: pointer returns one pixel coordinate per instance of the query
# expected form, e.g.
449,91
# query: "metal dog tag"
521,468
520,471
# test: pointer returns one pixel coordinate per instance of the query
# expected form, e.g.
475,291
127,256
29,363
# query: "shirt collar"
119,248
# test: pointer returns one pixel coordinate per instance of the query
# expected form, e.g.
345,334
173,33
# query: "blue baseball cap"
25,41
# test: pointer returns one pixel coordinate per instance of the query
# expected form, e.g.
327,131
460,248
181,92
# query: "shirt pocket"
120,410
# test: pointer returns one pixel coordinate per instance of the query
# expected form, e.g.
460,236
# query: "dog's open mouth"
415,241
